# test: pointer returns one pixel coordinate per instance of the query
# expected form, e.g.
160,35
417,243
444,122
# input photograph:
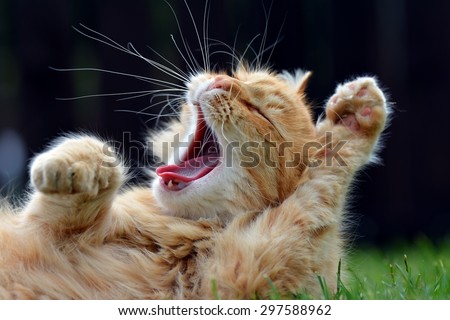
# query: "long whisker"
249,47
192,62
153,105
223,133
206,15
277,40
236,95
188,64
109,42
163,113
232,51
230,54
198,35
271,48
155,81
184,75
168,100
101,38
155,116
157,65
160,114
153,94
134,94
264,37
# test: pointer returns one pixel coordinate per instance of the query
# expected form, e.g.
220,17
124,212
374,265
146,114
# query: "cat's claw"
76,166
359,105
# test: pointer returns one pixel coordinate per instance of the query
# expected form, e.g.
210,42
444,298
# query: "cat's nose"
221,82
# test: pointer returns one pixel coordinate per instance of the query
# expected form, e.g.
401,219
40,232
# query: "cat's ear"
298,79
304,82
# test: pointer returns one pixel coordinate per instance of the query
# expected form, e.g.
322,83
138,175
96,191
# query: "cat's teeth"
176,184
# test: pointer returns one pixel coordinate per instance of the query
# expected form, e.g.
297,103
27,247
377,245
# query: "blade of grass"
324,287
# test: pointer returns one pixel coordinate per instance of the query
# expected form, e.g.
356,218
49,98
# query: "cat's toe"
58,176
51,175
359,105
75,167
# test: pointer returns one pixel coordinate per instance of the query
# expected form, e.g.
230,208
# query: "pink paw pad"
362,92
366,111
351,86
350,122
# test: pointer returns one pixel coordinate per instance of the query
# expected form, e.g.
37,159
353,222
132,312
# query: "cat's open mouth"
202,156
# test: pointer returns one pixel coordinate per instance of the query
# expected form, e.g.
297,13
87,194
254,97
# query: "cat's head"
238,145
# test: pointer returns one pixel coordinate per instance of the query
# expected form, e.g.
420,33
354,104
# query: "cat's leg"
289,246
74,183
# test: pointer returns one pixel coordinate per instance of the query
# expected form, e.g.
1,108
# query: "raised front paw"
360,106
81,165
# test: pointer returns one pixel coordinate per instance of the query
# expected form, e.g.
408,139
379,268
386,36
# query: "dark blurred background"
406,44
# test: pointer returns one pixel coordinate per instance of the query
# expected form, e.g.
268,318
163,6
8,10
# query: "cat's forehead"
255,75
244,74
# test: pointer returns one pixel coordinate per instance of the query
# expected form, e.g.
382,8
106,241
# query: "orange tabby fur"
81,237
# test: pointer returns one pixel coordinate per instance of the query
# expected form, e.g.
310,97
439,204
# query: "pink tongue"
190,170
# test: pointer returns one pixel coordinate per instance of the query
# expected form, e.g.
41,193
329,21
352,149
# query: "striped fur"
82,235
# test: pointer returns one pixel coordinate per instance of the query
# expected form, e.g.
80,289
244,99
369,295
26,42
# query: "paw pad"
359,105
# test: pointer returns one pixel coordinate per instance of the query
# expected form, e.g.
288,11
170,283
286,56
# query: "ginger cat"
256,196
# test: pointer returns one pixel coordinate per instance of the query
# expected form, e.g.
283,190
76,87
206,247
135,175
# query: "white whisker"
192,62
192,70
160,114
206,15
223,133
249,47
101,38
237,61
154,81
232,51
198,37
109,42
151,93
132,94
277,40
262,46
157,65
182,74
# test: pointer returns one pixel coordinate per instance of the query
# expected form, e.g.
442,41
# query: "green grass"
403,271
413,271
420,270
417,271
